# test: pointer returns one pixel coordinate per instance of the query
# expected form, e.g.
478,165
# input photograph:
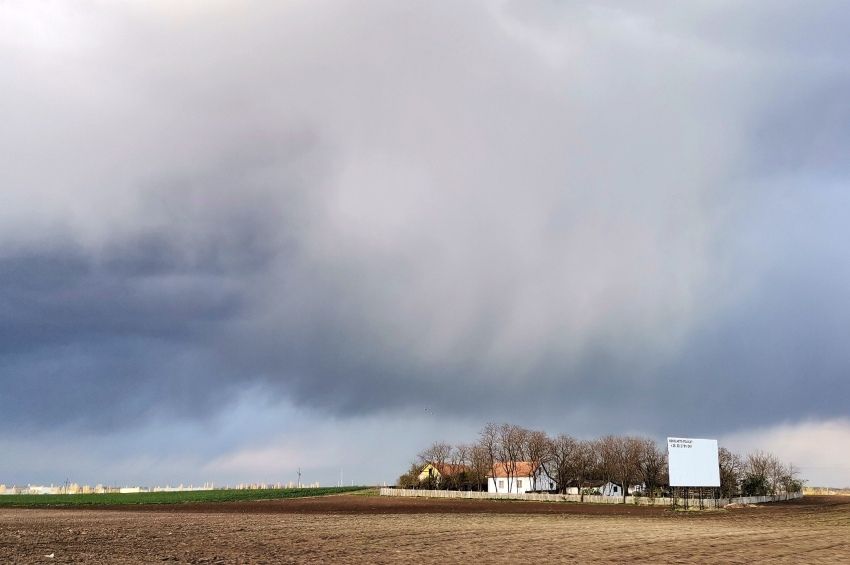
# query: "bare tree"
437,454
560,465
535,451
731,467
460,467
488,442
512,440
481,465
586,464
776,472
620,458
757,470
461,453
790,480
652,462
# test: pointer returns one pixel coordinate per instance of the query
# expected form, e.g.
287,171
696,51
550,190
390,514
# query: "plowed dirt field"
371,529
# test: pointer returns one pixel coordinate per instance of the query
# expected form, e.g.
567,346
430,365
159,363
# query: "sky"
239,239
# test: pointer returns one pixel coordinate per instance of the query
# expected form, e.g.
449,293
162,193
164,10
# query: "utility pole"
299,477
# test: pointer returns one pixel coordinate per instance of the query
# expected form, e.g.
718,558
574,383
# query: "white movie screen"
693,462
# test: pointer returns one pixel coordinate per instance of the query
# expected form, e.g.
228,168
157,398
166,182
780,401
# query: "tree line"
566,462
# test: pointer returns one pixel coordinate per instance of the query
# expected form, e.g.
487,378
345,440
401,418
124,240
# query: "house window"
519,483
551,486
616,489
501,483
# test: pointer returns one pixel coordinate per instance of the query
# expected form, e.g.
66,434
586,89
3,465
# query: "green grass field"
66,500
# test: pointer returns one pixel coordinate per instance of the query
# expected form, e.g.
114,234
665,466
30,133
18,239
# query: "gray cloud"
504,211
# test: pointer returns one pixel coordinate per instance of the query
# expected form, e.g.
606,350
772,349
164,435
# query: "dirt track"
358,529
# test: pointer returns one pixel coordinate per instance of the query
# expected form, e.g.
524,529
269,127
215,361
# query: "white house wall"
527,485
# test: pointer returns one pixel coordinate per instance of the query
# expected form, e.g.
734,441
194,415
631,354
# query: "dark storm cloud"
490,210
106,342
55,298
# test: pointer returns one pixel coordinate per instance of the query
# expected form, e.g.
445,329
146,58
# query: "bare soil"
372,529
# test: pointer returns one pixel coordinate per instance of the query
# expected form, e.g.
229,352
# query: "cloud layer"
593,217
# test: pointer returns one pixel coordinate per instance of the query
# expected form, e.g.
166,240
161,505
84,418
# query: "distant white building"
41,489
600,488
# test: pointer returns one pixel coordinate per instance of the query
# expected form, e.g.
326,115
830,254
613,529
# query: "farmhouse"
519,477
438,471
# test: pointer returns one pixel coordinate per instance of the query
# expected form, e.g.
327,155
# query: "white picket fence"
588,499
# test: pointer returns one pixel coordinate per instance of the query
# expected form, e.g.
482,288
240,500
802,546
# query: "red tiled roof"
449,469
519,469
